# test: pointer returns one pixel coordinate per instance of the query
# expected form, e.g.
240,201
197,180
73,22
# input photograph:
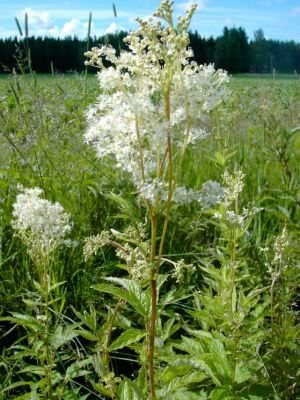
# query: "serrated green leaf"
86,334
24,320
77,369
127,338
130,293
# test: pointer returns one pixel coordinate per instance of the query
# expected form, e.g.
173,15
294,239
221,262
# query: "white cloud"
113,28
98,14
61,23
72,27
41,23
38,19
201,4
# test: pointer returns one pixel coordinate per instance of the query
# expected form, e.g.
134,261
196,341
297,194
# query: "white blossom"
151,93
234,185
41,224
211,194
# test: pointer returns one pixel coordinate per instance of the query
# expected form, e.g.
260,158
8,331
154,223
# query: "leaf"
86,334
200,334
24,320
131,292
62,336
56,285
34,369
129,391
188,395
247,370
15,385
198,363
127,338
77,369
221,393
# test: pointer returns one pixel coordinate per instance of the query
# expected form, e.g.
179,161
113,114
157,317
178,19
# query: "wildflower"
152,97
281,245
211,194
157,193
234,185
42,225
93,243
179,270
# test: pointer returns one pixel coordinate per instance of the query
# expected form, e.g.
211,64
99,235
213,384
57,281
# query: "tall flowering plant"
155,101
43,227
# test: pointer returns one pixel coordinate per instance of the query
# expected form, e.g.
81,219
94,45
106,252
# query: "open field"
227,321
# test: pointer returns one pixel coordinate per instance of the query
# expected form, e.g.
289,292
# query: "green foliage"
229,329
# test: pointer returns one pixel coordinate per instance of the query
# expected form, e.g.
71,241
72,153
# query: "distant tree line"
232,51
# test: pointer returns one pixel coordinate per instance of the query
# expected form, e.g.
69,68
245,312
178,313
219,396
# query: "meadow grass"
249,354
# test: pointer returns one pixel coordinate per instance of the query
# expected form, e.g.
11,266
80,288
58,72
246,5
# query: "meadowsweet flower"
211,194
227,198
94,243
281,244
42,225
234,184
179,270
152,97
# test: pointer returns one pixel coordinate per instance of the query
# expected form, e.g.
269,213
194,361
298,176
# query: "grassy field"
223,332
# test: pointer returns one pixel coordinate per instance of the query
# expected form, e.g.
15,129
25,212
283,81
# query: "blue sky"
280,19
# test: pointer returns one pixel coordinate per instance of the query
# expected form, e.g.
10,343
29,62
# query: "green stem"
152,323
233,303
48,366
152,328
108,335
155,261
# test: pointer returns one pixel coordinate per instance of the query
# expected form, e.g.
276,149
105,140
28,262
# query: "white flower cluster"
277,256
228,201
234,184
93,243
208,196
157,193
179,270
211,194
41,224
153,98
281,244
134,251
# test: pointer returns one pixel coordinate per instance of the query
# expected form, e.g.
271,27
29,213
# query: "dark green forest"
232,51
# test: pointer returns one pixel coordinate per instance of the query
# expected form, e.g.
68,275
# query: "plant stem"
233,302
152,323
108,335
152,328
48,358
156,258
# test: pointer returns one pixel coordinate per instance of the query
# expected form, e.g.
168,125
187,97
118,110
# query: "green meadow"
222,332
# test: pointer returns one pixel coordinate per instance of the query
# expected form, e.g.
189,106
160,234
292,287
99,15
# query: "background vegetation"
206,351
232,51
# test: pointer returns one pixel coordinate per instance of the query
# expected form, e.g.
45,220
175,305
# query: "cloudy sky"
280,19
